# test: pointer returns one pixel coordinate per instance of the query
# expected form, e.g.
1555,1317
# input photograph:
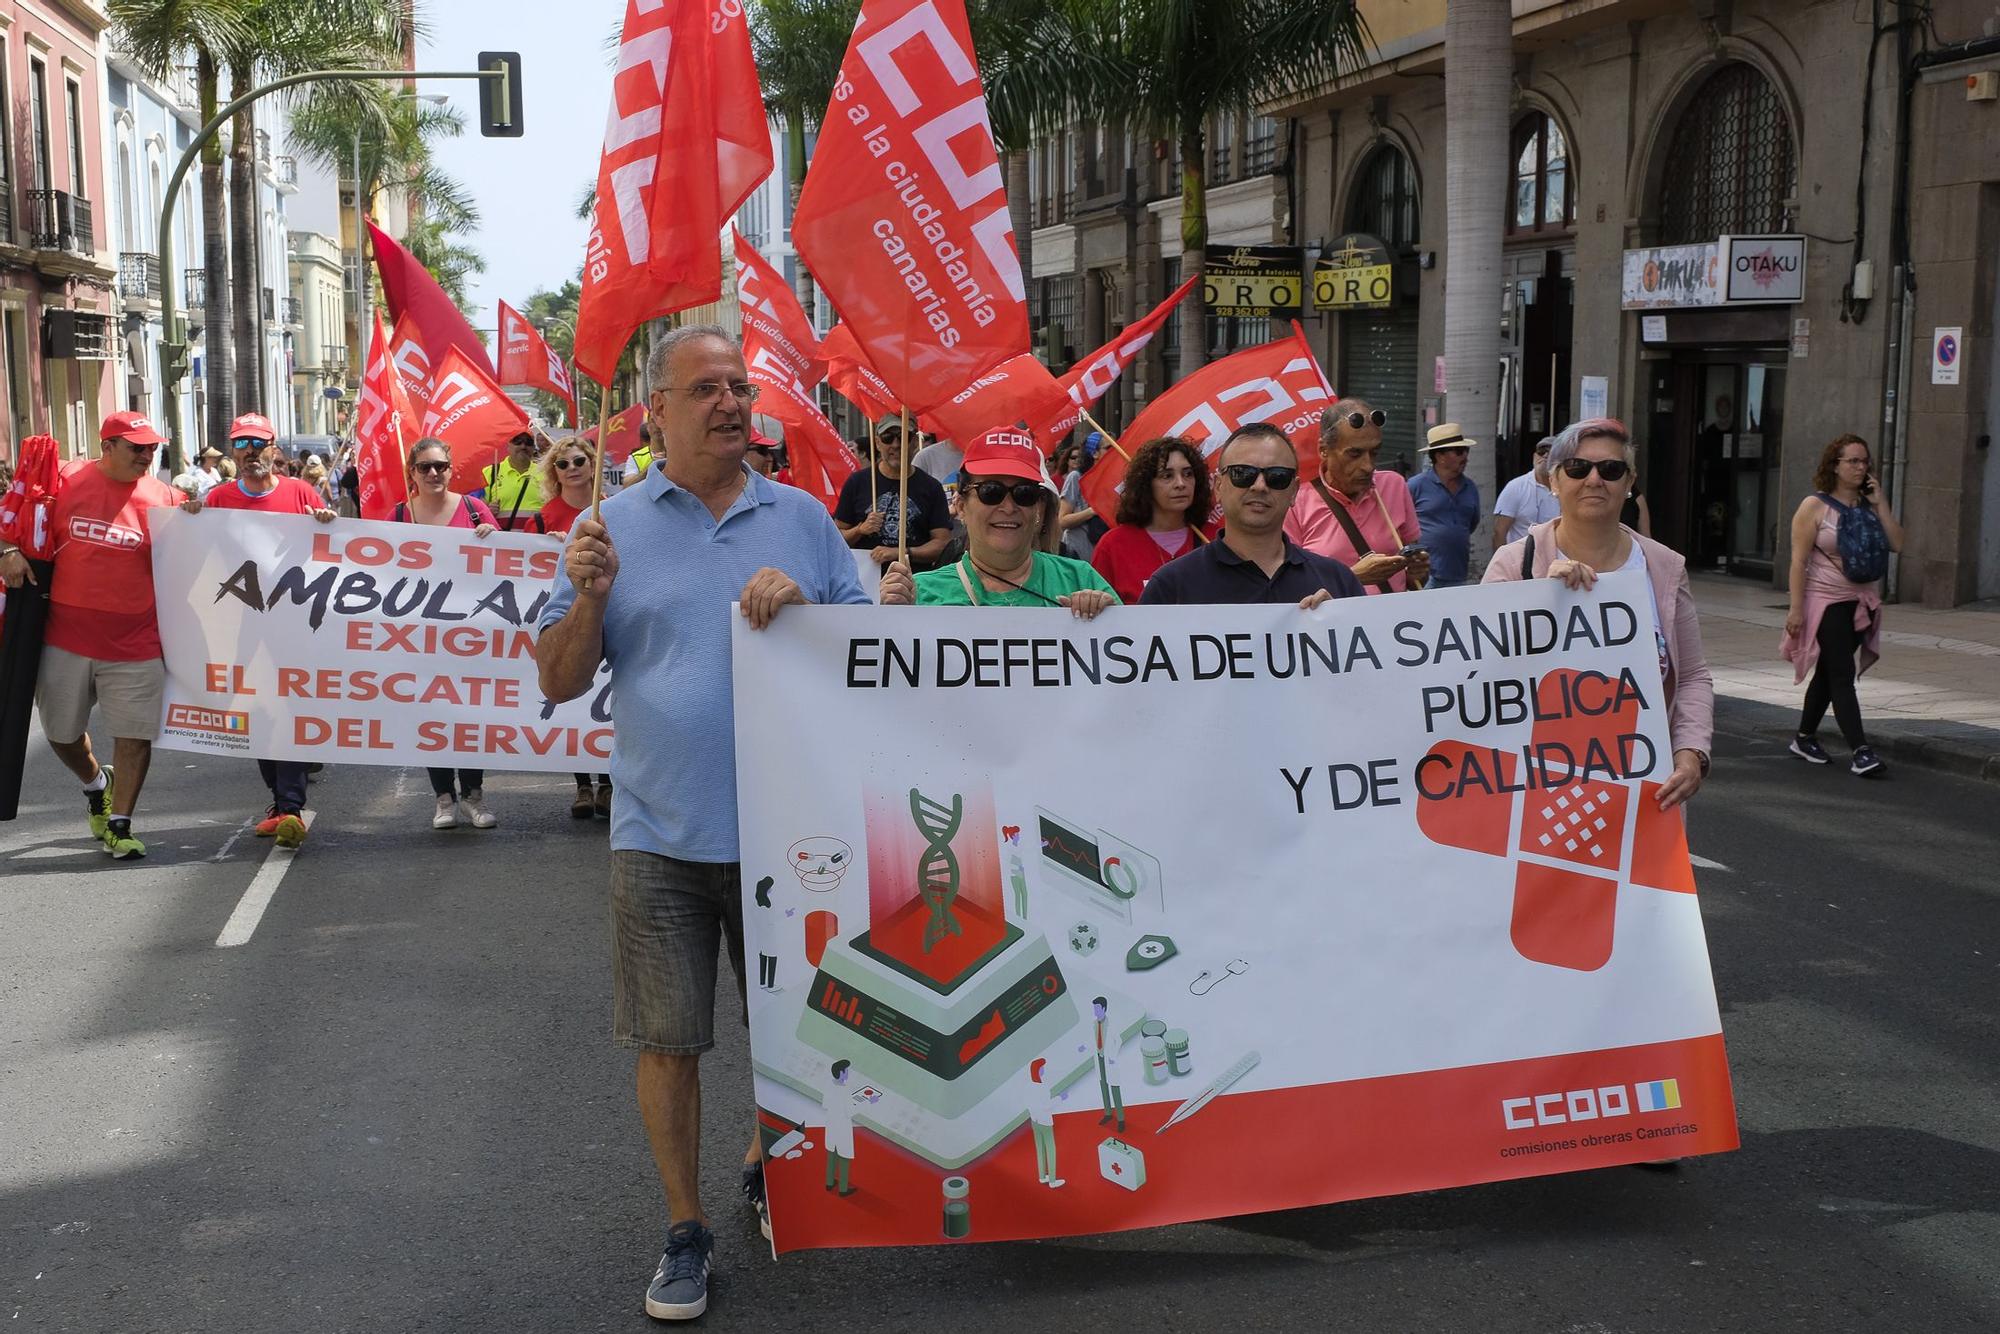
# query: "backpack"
1864,546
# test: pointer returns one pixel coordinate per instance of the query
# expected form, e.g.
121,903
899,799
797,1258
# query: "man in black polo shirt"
1256,478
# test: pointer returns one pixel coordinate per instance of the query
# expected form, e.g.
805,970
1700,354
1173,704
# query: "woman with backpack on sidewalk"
1841,542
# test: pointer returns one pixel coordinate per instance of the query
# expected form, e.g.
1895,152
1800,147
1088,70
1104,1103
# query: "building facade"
59,344
1704,234
319,349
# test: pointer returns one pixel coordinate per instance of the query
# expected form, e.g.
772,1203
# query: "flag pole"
597,473
1109,438
903,492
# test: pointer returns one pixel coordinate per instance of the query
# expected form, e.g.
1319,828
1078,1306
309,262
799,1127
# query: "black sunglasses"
432,468
570,465
1609,469
992,492
1374,417
1243,476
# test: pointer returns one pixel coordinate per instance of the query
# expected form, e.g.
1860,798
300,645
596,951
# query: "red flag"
413,368
904,213
1088,380
27,507
686,143
848,371
820,459
413,294
622,437
526,359
1276,382
384,425
1017,392
773,312
468,412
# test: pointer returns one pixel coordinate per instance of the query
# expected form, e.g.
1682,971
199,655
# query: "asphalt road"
397,1108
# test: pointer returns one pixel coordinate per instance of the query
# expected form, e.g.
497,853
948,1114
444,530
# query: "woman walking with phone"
1840,544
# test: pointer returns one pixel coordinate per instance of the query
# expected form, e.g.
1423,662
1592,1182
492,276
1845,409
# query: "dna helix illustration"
937,865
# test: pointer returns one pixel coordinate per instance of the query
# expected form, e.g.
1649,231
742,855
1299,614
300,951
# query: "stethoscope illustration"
1234,968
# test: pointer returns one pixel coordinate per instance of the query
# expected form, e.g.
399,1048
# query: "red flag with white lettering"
412,362
469,412
903,217
850,375
1088,380
384,424
416,299
1278,382
770,308
1017,392
525,358
686,143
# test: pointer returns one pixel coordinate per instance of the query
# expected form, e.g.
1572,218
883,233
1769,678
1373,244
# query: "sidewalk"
1933,699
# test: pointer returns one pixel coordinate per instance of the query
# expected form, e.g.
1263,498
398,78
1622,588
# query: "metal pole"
173,339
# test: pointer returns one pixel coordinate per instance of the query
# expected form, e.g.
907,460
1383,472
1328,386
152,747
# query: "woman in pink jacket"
1591,471
1834,627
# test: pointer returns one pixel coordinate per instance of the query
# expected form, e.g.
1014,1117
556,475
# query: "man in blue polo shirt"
1256,480
1447,504
702,530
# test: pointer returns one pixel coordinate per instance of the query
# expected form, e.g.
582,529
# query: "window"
1385,199
1542,197
1060,306
6,155
1730,167
1222,148
1170,333
73,113
1260,146
127,225
38,122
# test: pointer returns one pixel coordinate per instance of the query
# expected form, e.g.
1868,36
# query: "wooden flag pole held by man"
903,495
1109,438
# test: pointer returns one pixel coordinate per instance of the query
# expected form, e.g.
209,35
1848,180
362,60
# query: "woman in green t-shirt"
1009,507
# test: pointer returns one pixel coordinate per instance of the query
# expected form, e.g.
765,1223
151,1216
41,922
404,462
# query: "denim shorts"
668,920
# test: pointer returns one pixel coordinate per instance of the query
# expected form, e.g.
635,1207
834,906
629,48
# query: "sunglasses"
251,443
1609,469
1357,420
1243,476
1455,449
431,469
1024,493
570,465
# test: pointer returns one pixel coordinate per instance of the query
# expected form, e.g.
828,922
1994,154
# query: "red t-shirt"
558,515
1127,557
101,598
289,496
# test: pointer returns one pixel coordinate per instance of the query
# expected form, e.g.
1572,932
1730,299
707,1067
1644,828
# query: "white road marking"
242,923
222,853
1705,864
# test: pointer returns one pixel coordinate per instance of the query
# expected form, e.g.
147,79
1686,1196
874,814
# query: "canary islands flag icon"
1662,1095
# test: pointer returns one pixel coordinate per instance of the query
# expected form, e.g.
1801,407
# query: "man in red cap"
103,642
253,444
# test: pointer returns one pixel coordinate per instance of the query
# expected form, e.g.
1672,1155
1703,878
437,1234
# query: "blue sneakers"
679,1290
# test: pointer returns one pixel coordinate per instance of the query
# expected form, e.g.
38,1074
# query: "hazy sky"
526,188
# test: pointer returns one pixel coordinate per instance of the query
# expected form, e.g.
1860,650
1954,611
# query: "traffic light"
500,98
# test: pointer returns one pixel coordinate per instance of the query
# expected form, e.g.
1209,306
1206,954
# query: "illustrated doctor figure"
1107,1064
1042,1099
839,1107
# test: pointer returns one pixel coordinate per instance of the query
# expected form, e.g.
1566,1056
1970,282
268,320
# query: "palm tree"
160,34
1166,67
1479,69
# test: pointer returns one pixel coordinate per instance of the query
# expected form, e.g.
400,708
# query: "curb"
1945,747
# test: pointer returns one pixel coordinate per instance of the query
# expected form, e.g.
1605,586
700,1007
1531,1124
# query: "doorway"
1536,317
1711,460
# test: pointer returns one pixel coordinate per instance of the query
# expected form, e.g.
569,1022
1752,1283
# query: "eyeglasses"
1609,469
1863,460
1459,450
137,448
571,465
709,391
1243,476
434,469
1374,417
992,492
251,443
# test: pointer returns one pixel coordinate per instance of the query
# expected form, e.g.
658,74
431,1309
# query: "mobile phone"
1413,549
1868,487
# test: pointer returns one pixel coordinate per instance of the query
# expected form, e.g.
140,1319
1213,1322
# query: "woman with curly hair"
1167,497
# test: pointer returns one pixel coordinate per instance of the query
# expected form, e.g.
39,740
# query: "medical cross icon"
1560,811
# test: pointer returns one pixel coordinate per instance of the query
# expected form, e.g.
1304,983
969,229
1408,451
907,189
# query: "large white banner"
363,643
1060,927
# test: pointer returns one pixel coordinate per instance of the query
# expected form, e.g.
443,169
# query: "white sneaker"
447,814
475,810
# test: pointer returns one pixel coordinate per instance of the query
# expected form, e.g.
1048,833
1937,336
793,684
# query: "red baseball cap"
252,426
130,426
1007,451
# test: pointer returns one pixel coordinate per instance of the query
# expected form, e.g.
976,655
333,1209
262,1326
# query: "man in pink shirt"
1360,517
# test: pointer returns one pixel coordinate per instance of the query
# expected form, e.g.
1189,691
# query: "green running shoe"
99,806
120,844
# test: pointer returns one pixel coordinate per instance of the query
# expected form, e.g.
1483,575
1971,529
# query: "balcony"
288,170
59,220
264,146
294,312
335,365
194,284
139,276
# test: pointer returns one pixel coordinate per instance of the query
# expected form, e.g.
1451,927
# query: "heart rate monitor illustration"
1583,827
